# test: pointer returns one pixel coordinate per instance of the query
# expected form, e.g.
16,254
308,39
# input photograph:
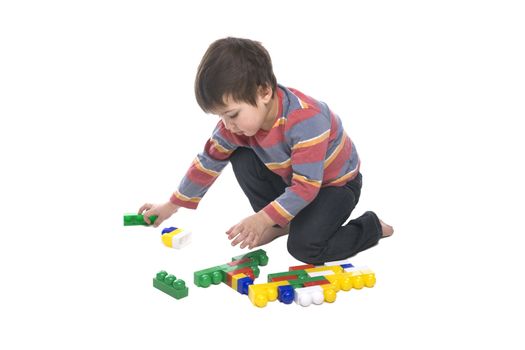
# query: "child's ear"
265,93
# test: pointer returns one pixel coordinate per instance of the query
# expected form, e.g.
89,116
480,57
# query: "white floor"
98,117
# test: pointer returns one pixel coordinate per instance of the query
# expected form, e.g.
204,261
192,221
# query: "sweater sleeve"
309,144
204,169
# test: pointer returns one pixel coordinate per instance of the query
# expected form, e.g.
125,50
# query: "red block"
301,267
316,283
284,278
246,270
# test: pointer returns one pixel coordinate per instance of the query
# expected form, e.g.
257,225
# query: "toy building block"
330,293
329,289
308,295
260,294
137,219
170,285
305,281
285,294
241,283
358,281
319,282
287,275
217,274
343,263
175,237
247,271
258,255
301,267
369,277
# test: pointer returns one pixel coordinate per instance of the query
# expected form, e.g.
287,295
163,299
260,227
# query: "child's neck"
272,114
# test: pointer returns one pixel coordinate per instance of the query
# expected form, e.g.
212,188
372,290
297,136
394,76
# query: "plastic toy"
170,285
137,219
175,237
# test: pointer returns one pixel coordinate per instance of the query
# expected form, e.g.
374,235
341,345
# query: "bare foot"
272,233
387,229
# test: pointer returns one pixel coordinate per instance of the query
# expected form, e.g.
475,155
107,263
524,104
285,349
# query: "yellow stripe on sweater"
201,168
185,198
335,153
283,212
220,148
313,141
282,165
304,179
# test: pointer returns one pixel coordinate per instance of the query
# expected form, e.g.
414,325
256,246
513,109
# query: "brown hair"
233,67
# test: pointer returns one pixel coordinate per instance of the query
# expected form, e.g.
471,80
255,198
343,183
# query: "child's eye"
234,115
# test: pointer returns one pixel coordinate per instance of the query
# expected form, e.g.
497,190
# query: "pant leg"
317,235
258,183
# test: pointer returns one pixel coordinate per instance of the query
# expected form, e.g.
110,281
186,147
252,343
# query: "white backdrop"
98,116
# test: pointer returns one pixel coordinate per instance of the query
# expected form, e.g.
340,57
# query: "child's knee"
304,250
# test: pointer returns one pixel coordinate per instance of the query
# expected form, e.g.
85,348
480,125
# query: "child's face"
242,118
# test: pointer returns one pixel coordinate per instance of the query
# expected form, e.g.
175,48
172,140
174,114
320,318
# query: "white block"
181,240
308,295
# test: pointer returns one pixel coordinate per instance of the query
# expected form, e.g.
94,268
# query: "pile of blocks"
304,284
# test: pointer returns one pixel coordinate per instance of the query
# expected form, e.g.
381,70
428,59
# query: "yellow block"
329,292
235,280
167,238
346,280
369,277
260,294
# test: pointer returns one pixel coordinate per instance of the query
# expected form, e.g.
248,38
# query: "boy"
290,155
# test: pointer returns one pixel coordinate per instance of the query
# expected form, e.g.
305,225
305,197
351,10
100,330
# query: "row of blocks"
309,284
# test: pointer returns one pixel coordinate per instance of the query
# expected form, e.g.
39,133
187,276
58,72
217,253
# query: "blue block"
168,230
344,266
243,284
286,294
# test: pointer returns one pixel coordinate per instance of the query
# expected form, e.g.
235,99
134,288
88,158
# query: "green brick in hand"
137,219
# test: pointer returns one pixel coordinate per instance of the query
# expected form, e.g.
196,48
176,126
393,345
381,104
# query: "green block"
208,276
300,283
301,274
137,219
170,285
259,255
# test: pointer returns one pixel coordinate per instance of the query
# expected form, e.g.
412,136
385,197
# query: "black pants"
317,234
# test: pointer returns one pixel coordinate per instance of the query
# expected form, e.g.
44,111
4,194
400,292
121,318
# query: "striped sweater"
307,146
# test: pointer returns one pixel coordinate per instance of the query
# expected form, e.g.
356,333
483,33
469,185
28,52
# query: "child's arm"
203,171
205,168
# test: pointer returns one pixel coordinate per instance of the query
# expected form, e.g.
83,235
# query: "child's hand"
163,212
248,232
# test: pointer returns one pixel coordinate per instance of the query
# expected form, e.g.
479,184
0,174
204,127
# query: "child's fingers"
145,207
241,237
234,231
247,241
158,221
